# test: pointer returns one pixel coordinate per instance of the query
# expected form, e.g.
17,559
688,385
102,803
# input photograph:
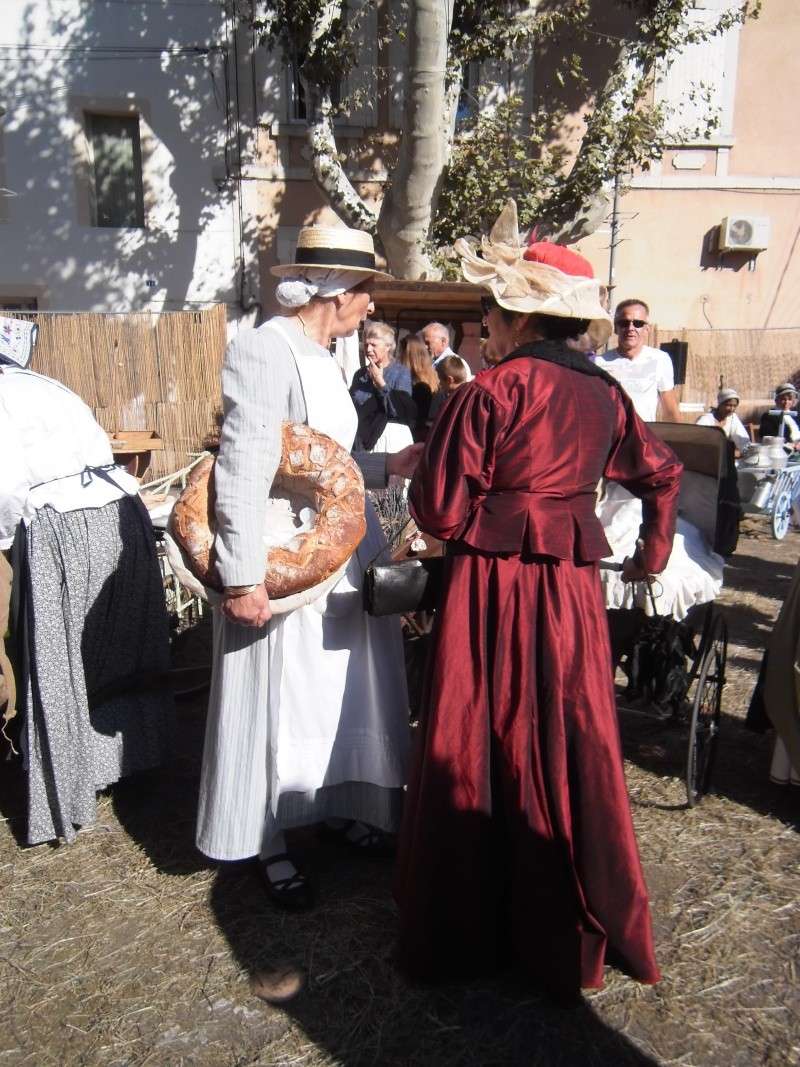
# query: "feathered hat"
540,278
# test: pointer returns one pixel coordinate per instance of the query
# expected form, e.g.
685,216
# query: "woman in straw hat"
517,844
723,416
308,711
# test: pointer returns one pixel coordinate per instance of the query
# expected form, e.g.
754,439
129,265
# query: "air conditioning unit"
743,233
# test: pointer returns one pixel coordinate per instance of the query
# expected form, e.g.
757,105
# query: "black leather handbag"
404,586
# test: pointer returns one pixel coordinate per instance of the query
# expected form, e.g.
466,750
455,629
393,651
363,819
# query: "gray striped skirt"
95,656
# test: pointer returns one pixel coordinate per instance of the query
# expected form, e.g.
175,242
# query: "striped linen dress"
308,716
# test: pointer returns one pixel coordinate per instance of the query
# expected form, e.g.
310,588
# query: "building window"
699,84
468,103
296,92
116,159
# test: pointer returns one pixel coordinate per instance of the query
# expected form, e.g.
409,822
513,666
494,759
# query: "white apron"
321,699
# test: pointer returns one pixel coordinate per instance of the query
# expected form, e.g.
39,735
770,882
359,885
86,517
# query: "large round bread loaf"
313,469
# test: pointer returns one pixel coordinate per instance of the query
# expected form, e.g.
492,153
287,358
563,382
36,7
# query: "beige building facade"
747,171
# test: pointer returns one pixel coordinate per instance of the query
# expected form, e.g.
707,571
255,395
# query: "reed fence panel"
751,361
141,371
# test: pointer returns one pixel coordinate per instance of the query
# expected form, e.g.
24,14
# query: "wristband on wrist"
240,590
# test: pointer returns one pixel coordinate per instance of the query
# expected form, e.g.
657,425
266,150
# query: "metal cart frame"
708,461
769,491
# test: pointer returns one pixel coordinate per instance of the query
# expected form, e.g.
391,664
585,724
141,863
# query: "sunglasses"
487,303
638,323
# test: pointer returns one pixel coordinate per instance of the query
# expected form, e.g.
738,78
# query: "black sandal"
372,842
293,892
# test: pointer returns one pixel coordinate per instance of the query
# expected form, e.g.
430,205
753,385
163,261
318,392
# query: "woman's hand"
404,462
250,609
632,571
376,375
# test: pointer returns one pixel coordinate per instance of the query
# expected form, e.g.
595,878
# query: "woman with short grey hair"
381,392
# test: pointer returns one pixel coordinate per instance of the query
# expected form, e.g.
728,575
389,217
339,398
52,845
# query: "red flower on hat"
559,257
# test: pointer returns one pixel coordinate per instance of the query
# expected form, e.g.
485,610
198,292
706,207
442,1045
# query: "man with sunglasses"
645,373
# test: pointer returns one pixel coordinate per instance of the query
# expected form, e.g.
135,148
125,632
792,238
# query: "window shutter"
707,66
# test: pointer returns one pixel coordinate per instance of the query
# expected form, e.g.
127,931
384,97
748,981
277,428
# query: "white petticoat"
692,576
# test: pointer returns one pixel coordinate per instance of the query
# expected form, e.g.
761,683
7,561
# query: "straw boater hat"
539,278
332,248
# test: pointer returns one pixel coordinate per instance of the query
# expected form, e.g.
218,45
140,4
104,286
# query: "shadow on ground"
739,771
359,1010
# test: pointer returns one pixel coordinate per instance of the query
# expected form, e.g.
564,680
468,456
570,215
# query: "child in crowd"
452,374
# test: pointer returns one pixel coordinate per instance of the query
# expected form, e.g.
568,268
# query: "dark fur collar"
558,352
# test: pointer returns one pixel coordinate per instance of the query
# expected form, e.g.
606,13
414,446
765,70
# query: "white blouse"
51,449
732,427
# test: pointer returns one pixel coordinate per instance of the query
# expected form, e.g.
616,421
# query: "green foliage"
504,152
496,154
325,58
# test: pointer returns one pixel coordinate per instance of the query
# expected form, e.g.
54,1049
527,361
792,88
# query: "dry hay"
126,948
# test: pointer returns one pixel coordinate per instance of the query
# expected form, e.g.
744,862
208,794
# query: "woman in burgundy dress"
517,844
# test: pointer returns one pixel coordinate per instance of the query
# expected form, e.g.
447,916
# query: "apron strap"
282,332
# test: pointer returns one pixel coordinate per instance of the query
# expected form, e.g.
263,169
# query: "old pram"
676,669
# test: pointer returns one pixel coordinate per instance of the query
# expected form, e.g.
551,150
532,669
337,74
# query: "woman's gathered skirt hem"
517,841
94,617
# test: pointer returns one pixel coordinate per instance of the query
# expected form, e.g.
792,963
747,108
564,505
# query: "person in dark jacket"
782,420
425,390
381,392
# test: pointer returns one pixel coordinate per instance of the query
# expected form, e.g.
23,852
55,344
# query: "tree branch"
593,202
326,167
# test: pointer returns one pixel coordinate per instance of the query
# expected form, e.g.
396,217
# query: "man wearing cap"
644,372
782,420
724,417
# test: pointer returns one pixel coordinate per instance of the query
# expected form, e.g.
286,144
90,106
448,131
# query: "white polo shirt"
642,378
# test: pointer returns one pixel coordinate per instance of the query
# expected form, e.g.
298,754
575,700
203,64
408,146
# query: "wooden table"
132,449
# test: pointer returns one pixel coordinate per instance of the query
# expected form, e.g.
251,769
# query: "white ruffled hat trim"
298,291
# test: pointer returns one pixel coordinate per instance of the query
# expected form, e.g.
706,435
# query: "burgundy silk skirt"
517,844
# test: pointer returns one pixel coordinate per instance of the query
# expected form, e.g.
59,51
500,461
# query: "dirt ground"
127,947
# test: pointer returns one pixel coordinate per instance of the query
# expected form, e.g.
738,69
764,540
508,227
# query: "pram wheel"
706,709
781,512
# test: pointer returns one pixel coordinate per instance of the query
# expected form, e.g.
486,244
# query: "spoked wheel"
781,510
706,710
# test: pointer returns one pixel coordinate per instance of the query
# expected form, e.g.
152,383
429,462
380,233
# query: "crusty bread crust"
312,466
